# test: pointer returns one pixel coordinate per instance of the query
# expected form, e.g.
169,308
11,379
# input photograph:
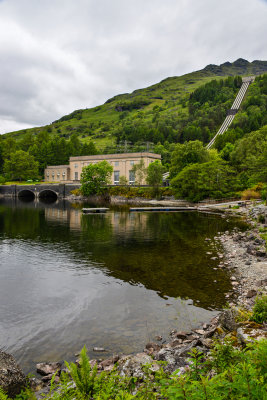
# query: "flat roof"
57,166
115,156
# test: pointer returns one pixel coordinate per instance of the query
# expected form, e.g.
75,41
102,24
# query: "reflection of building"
71,217
122,222
122,166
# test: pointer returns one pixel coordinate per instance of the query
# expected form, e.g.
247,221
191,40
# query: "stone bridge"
56,191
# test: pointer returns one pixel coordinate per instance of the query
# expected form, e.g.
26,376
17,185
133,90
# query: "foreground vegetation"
228,372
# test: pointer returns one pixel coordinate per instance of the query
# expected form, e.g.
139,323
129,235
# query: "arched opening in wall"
26,195
47,196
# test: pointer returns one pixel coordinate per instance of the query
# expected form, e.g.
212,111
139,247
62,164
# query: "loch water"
113,280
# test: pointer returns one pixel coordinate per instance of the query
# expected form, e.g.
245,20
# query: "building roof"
58,166
116,156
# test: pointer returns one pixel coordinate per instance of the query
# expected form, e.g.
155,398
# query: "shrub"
2,180
76,192
261,219
123,180
250,194
260,310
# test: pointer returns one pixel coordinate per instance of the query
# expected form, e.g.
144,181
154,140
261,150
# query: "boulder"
153,346
227,320
261,252
12,379
132,365
246,336
251,293
48,368
185,350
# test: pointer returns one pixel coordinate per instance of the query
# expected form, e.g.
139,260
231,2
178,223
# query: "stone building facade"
122,166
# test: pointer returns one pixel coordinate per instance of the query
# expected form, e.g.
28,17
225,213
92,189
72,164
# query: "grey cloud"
61,55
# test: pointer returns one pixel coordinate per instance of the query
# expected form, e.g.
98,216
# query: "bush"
260,310
2,180
76,192
250,194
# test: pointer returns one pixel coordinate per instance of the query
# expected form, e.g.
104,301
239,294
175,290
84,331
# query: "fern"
83,376
3,395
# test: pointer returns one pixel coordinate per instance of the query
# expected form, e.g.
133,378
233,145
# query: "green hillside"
175,118
155,114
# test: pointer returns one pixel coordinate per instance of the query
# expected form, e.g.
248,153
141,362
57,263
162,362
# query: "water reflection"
111,280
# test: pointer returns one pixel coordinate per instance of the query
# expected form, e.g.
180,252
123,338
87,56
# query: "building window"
63,176
76,176
75,165
58,174
116,163
116,177
131,162
131,177
47,174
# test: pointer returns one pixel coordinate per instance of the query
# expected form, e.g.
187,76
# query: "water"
110,280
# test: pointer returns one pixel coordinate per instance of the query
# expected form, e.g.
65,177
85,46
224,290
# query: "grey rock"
12,379
210,332
181,335
227,320
167,355
99,349
261,253
185,350
35,384
132,365
251,293
48,368
153,346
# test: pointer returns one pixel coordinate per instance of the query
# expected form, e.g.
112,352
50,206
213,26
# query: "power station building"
122,166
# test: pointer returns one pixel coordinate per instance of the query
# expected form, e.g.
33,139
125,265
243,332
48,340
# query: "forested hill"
177,110
159,113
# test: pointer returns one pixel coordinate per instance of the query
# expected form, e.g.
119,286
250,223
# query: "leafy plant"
84,376
3,395
223,354
76,192
260,310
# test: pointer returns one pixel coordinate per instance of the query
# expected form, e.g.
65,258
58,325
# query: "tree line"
27,158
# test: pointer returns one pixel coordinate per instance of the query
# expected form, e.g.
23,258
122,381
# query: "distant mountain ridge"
238,67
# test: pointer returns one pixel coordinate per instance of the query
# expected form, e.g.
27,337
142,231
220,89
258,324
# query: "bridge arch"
26,194
48,194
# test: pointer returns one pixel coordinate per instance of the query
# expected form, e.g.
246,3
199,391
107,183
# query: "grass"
23,183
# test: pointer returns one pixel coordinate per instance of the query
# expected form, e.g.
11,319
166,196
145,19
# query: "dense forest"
176,123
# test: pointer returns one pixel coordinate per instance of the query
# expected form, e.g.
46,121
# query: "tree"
94,177
199,181
123,180
154,174
188,153
89,149
21,165
140,172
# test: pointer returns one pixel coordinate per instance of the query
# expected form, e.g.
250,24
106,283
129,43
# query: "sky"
61,55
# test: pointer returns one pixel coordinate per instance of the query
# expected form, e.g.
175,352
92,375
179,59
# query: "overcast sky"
61,55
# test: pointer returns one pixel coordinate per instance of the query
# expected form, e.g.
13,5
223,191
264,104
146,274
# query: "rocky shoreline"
245,257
